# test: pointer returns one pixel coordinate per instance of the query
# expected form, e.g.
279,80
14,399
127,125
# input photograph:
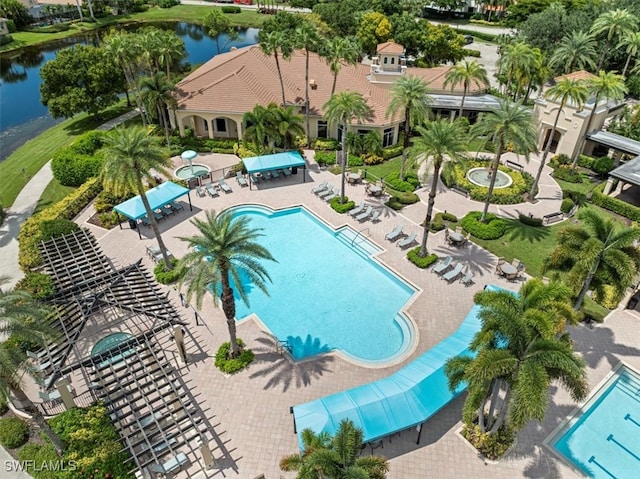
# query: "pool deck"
250,410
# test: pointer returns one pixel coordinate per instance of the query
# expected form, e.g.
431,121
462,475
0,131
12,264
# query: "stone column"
178,336
63,387
205,452
608,186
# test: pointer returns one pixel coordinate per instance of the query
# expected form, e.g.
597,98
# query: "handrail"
356,236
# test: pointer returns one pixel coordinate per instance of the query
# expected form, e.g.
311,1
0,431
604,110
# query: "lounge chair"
254,178
467,279
286,172
375,216
442,265
266,175
357,210
223,184
158,215
454,273
275,174
320,188
363,216
145,221
333,195
200,192
241,179
329,191
395,234
176,206
166,210
407,241
211,190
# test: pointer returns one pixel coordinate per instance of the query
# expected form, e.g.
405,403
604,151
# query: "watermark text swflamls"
39,466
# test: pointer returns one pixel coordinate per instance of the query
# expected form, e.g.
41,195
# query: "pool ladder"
359,234
282,346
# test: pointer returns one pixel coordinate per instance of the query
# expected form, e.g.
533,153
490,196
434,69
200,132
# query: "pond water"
22,116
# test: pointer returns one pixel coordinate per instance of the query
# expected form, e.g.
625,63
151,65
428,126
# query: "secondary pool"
601,437
327,293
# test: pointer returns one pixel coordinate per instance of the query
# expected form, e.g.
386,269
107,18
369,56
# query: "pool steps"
359,243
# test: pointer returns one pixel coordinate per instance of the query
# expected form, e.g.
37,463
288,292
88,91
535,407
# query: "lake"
22,116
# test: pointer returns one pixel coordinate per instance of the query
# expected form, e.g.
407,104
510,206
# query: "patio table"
353,177
375,190
456,237
508,270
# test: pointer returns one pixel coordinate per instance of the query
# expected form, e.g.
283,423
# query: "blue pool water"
326,291
602,439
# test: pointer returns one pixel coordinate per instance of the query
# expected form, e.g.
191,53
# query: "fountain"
482,177
193,170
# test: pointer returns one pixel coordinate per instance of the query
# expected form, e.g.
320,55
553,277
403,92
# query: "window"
323,129
206,124
393,61
339,132
221,125
387,137
385,60
363,132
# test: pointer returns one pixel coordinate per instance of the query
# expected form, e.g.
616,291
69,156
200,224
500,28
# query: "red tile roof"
390,47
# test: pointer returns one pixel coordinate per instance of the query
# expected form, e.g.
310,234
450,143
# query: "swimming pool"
601,437
327,292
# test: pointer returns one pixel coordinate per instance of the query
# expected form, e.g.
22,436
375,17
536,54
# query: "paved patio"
250,410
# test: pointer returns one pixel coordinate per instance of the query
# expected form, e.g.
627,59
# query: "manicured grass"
53,193
585,187
391,166
35,153
181,13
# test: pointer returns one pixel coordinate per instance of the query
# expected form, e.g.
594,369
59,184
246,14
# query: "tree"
439,140
630,40
566,90
15,11
224,249
335,458
516,66
440,44
613,24
374,28
409,98
338,51
157,94
510,126
342,16
270,43
342,108
520,351
130,156
80,79
217,23
288,124
596,253
466,73
408,32
25,320
307,38
576,51
258,126
605,85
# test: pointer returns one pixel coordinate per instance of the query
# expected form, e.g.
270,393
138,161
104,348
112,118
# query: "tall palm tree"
258,126
439,140
339,50
576,51
22,317
466,73
288,124
157,93
520,350
271,43
224,249
409,98
511,124
131,156
613,24
566,90
596,253
630,40
342,108
606,85
307,38
335,458
516,63
170,51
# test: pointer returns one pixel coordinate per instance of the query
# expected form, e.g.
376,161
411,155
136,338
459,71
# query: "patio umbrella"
189,155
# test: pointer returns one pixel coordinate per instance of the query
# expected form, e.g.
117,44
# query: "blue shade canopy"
159,196
405,399
257,164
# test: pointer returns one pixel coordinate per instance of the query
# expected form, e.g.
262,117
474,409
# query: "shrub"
585,161
394,204
394,181
468,52
228,9
413,255
106,200
491,446
50,229
608,296
567,205
231,365
40,454
436,225
406,198
14,432
325,144
167,277
567,174
242,151
450,217
617,206
456,174
90,142
529,220
372,159
560,159
324,158
109,220
392,151
342,207
38,284
602,165
72,168
355,160
4,407
494,227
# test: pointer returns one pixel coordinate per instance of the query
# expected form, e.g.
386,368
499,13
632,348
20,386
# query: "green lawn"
182,13
53,193
390,166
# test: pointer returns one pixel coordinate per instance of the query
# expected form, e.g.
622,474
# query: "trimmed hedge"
392,151
342,207
456,174
40,285
230,9
75,164
613,204
67,208
409,184
494,227
490,37
399,199
413,255
50,229
233,365
567,174
529,220
167,277
325,144
567,205
603,165
14,432
468,52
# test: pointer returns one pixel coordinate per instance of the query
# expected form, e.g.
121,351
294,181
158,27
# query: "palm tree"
410,98
339,50
25,319
342,108
171,50
511,124
157,93
438,141
516,63
576,51
606,85
335,458
288,124
566,90
466,73
596,253
258,126
271,43
224,249
130,156
307,38
630,40
520,349
613,23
